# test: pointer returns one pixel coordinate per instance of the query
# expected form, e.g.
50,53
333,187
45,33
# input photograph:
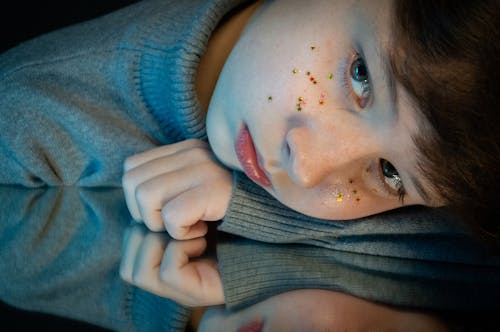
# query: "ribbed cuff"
253,271
151,313
409,232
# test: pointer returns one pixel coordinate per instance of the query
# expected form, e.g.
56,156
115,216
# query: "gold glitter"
315,82
301,99
313,48
374,190
270,98
295,70
330,75
339,197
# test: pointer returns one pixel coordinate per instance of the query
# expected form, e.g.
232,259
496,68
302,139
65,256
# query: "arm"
181,186
411,232
60,254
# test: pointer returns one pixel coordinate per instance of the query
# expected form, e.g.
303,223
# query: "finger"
145,268
155,167
198,281
165,150
132,241
155,193
184,215
147,262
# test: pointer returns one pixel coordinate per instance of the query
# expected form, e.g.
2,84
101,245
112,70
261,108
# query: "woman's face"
317,310
306,107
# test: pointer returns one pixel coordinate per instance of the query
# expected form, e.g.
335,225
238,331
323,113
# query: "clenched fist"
177,187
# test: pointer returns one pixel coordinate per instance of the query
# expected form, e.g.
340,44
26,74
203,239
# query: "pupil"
359,71
387,169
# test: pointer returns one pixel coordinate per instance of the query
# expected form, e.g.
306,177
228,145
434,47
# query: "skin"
323,160
319,310
320,134
178,270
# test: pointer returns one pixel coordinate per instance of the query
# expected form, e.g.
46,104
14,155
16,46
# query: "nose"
307,164
312,156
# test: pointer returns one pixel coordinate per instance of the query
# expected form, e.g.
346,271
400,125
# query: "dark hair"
446,55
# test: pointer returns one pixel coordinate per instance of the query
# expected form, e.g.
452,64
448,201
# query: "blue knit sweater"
76,102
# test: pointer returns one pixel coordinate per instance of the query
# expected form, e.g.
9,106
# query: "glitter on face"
330,75
340,197
295,70
313,47
321,102
270,98
374,190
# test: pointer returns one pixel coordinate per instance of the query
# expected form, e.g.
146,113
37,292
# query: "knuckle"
128,180
124,275
141,194
200,152
129,163
137,278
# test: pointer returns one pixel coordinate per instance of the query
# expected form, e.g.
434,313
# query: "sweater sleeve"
254,271
71,109
410,232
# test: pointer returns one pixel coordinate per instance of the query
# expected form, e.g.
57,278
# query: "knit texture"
254,271
412,232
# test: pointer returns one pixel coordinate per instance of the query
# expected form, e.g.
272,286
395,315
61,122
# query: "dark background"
20,21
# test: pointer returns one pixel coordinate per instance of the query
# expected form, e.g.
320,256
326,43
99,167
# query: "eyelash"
347,84
361,103
401,191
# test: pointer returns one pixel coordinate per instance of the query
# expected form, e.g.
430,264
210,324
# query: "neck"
218,49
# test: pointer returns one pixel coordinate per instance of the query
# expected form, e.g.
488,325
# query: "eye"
392,179
360,81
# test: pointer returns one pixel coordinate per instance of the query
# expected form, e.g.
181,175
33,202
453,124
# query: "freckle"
308,73
368,170
351,181
340,197
321,101
270,98
358,199
354,191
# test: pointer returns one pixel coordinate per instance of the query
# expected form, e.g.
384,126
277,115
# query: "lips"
247,156
254,326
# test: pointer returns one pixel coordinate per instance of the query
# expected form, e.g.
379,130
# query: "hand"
177,187
151,262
